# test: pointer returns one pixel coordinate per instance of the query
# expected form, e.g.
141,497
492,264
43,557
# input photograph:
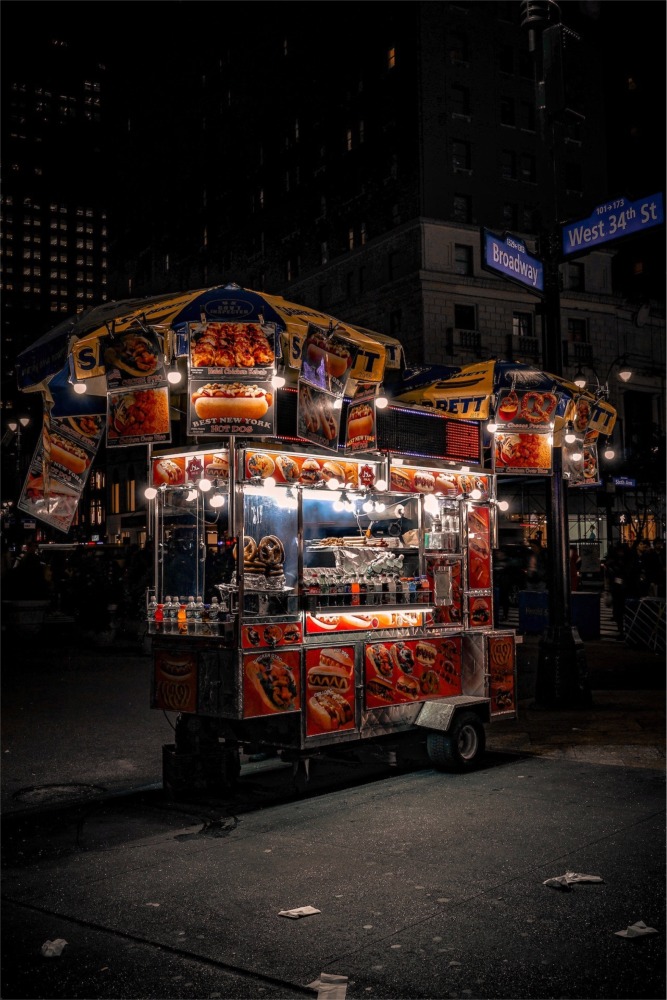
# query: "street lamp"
17,426
602,386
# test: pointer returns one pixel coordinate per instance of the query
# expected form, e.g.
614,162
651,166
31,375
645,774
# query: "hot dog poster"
226,349
411,479
478,524
414,670
323,624
138,416
303,469
329,689
231,407
59,468
361,432
271,683
327,360
501,673
318,417
175,681
134,358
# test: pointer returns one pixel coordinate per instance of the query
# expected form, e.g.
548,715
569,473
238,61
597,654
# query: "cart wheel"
461,747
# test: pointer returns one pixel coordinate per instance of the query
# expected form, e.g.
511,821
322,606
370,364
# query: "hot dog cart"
323,543
355,598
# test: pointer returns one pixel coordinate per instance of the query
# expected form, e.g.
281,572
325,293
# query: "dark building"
349,163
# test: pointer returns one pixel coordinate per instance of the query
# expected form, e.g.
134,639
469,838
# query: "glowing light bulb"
332,484
381,402
475,494
217,500
205,485
278,381
191,495
492,427
503,505
570,437
80,388
269,483
368,506
576,456
338,506
150,493
609,452
174,376
381,484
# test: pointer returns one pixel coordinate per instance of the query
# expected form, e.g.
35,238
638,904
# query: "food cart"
355,597
323,553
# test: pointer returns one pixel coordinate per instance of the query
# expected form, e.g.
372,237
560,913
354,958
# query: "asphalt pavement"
427,884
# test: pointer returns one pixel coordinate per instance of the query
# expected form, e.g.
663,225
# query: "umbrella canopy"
470,392
230,303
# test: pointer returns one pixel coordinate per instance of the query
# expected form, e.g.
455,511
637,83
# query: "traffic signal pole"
562,675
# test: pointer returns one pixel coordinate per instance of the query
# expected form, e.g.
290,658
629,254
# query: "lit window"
391,58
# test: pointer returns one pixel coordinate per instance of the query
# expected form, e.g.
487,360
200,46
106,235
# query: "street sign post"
508,256
612,220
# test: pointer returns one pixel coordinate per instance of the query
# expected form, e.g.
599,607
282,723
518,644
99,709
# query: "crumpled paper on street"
329,985
53,949
568,879
298,911
638,929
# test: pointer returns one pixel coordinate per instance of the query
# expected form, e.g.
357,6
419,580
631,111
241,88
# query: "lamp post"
17,426
562,671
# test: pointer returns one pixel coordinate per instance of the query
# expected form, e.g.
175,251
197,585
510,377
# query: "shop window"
463,259
462,208
464,317
115,495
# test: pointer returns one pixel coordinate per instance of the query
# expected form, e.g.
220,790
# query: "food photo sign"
134,358
330,689
230,387
522,444
271,683
59,469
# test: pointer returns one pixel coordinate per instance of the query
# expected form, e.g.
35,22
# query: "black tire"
461,747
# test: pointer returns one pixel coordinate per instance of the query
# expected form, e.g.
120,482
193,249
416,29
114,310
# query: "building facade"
350,164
